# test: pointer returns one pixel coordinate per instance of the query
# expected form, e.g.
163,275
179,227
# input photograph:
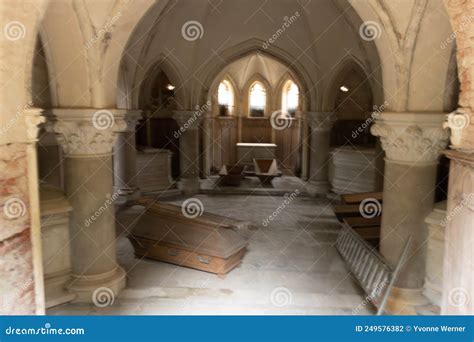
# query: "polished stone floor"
291,267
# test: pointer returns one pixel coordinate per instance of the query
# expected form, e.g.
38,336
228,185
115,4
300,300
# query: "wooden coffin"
209,242
231,175
351,214
357,198
266,169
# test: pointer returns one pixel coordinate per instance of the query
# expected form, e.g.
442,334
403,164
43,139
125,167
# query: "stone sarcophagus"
154,170
56,241
206,242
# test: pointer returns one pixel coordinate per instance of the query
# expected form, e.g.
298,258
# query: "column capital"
412,138
12,129
461,124
33,119
188,119
87,132
131,118
321,121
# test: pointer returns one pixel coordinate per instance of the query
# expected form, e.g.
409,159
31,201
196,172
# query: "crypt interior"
288,157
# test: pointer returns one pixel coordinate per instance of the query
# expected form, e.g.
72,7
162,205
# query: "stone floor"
252,186
291,267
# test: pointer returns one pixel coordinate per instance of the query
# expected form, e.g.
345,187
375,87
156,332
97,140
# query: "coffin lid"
207,234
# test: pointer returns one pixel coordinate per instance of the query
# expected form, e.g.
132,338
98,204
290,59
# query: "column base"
127,194
84,286
315,188
189,186
55,292
405,301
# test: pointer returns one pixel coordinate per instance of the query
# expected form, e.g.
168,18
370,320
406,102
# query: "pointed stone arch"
257,78
145,80
350,63
211,70
212,98
284,79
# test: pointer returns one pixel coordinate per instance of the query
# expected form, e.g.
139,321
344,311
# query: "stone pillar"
21,269
305,141
320,125
379,166
188,134
125,159
208,126
412,143
458,286
87,137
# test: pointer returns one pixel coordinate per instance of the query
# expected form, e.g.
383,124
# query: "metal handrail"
373,273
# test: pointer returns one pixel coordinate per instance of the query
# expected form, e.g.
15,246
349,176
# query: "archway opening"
225,98
157,99
257,100
290,98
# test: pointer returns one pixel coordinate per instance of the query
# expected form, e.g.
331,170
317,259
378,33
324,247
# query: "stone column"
125,159
87,137
458,277
21,269
458,285
413,143
188,134
320,125
305,150
208,126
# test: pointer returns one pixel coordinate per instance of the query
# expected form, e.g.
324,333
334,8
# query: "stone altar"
247,152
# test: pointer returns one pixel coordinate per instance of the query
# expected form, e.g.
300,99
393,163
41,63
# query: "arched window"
162,94
258,100
225,98
290,98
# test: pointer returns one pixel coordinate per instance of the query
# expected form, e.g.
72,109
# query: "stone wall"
16,259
